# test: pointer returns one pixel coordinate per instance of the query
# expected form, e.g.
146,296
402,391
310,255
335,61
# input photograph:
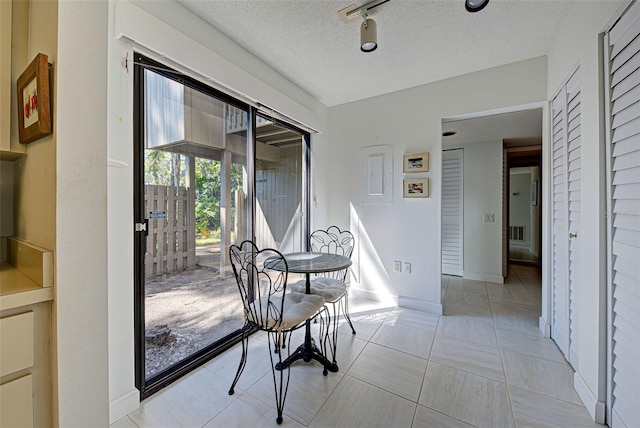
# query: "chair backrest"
262,280
333,241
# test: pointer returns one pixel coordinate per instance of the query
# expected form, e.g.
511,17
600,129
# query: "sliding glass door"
210,172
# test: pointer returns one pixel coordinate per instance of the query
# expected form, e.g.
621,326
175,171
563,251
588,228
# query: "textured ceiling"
420,41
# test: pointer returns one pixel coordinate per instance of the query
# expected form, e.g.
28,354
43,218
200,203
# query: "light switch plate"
407,267
397,266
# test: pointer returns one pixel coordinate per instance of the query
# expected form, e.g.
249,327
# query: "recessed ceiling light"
449,133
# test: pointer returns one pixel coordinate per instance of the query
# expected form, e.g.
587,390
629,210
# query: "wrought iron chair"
262,281
332,286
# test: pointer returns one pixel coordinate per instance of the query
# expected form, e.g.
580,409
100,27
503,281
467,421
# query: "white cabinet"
8,150
16,358
5,74
25,366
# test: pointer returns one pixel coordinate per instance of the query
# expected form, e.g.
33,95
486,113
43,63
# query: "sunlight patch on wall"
369,278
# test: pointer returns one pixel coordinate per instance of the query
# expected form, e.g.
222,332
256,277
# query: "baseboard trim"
420,305
389,299
496,279
595,408
122,406
544,327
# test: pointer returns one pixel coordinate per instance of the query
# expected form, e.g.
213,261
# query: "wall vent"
516,233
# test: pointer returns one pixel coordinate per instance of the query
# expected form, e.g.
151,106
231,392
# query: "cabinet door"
14,21
5,74
16,403
16,352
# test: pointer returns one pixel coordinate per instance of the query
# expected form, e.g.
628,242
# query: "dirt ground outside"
188,310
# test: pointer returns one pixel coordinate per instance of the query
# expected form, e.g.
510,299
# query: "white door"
452,212
574,169
622,54
566,185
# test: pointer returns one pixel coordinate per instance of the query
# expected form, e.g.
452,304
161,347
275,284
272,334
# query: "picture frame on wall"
34,103
415,188
416,162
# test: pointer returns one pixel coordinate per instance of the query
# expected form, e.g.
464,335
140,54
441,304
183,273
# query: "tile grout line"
504,369
426,370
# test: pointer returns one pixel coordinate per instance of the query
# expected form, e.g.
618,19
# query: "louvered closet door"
566,187
623,65
452,212
574,167
560,320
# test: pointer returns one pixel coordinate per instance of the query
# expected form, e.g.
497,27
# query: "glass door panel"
194,186
280,171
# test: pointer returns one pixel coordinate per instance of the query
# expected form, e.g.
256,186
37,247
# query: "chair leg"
280,380
335,316
324,338
243,357
276,345
346,312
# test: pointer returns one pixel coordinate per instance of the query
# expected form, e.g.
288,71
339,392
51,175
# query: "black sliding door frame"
149,386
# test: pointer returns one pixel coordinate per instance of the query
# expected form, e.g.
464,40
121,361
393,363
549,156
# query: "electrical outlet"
397,266
407,267
489,218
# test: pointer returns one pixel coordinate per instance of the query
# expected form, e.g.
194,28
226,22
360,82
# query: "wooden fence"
171,240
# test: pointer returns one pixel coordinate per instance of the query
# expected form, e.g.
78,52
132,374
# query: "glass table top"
313,262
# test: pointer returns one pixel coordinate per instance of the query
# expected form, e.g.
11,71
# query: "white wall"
123,396
196,46
483,195
577,43
409,121
81,222
6,198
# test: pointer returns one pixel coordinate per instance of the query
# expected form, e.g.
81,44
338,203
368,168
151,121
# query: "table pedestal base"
307,355
308,351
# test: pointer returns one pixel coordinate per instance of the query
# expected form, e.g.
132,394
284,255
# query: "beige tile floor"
483,363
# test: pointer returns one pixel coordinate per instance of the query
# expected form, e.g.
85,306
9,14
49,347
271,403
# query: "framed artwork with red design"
415,188
34,102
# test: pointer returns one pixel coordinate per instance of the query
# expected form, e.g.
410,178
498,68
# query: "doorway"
524,205
481,196
210,172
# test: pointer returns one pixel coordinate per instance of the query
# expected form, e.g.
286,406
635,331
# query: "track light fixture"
368,35
369,29
475,5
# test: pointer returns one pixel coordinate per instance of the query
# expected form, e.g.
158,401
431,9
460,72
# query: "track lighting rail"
351,12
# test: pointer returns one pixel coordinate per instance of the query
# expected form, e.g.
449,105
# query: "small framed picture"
34,104
416,162
415,187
